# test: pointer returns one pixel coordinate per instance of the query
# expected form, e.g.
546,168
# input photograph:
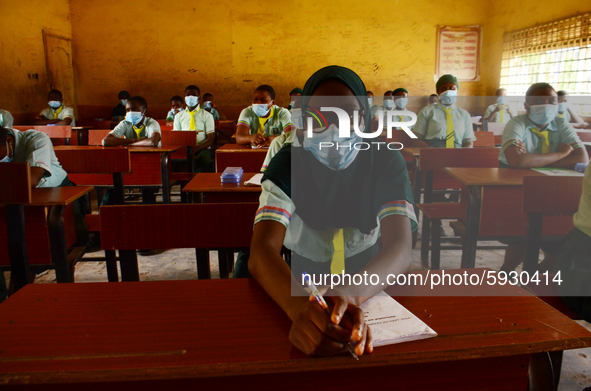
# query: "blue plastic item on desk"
232,175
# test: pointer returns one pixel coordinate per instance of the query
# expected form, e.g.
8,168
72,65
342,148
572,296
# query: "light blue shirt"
432,124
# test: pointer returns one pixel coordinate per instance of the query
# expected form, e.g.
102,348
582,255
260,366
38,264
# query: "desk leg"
203,271
117,189
164,165
426,228
472,228
79,136
416,194
17,247
58,244
533,242
129,267
111,263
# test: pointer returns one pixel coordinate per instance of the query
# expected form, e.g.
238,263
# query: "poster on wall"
458,52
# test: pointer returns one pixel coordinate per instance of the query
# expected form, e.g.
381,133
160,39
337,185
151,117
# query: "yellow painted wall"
156,48
21,47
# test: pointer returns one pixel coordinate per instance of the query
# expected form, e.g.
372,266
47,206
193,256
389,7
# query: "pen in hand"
324,306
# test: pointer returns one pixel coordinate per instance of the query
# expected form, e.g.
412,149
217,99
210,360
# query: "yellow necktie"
502,111
545,140
139,130
263,121
337,265
59,110
450,136
401,118
192,125
560,115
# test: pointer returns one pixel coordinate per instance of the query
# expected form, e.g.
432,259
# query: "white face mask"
261,109
336,159
370,100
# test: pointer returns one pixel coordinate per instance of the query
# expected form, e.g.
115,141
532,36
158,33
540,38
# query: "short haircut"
124,93
268,88
499,90
177,98
433,96
534,88
561,93
57,92
369,92
193,87
3,134
207,94
387,92
142,102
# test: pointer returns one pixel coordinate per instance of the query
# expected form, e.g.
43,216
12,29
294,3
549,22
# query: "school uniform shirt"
6,119
520,129
36,148
204,124
275,146
277,123
61,113
497,118
432,124
125,128
215,113
582,219
566,115
276,205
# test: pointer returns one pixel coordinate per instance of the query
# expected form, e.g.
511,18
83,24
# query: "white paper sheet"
254,181
558,172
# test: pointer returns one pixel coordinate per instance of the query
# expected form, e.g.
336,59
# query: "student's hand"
347,314
520,146
256,139
564,148
266,143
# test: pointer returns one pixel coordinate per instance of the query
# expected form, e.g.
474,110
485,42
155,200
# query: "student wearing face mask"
499,112
118,113
293,94
261,122
566,112
56,113
400,96
137,130
200,120
538,139
443,124
209,106
176,105
373,108
333,217
6,119
433,99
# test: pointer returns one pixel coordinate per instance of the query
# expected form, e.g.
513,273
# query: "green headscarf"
447,79
399,90
296,90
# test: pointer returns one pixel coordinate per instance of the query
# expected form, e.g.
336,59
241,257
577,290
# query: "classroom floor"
179,264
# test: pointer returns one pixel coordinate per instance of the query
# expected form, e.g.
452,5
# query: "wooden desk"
239,155
81,134
49,227
150,167
493,206
209,188
228,334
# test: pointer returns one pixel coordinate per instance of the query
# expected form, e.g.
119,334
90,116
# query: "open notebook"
391,323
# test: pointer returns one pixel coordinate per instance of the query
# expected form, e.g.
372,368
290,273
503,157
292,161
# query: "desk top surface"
240,148
132,149
58,195
490,176
207,328
211,182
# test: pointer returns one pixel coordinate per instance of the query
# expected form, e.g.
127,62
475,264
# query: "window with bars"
558,53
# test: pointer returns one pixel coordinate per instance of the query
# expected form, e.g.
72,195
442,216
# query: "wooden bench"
60,132
431,162
221,226
224,130
496,128
484,139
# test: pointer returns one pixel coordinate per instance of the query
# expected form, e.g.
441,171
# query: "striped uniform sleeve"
244,118
399,207
514,132
285,121
274,205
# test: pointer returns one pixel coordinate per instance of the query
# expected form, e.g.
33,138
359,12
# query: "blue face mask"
123,102
54,104
401,102
562,107
336,159
501,100
448,97
6,159
542,114
388,104
208,104
370,100
296,118
260,109
191,100
134,117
